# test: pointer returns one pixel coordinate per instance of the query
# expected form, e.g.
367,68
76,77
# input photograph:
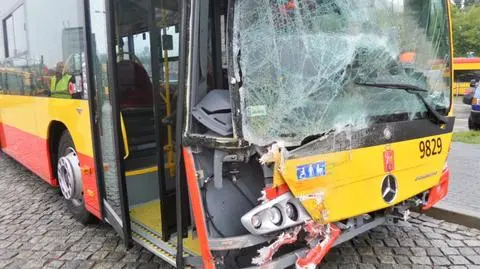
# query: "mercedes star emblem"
387,133
389,188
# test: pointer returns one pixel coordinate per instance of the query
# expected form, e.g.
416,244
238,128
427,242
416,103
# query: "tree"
471,2
466,30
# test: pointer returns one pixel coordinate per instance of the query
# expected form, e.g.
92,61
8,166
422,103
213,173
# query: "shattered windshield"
301,64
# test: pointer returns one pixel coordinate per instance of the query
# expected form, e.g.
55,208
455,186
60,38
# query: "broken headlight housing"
278,214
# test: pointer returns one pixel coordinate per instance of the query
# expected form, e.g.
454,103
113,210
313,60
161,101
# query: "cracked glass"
301,64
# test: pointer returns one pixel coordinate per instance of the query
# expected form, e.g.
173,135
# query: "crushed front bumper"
332,235
292,257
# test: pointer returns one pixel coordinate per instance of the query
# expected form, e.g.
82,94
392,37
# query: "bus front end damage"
322,130
285,219
274,207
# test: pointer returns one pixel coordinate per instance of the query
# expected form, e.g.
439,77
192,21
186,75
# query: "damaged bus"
234,133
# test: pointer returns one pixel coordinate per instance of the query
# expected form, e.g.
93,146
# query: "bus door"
145,70
106,119
136,66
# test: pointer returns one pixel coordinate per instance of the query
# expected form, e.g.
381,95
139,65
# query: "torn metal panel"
299,64
265,254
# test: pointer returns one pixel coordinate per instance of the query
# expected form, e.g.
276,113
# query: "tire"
76,207
472,125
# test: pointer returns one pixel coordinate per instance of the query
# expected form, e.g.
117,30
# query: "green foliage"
471,137
466,30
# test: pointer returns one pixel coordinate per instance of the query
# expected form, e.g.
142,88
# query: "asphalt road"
464,186
461,112
36,231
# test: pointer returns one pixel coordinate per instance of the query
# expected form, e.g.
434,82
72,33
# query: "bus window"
141,48
15,35
465,76
55,68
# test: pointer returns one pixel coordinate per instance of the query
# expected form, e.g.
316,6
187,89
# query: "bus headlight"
275,215
292,212
281,213
256,222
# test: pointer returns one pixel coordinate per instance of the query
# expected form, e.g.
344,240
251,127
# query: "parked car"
474,119
468,96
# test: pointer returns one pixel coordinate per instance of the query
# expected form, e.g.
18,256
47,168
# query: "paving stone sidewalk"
464,189
36,231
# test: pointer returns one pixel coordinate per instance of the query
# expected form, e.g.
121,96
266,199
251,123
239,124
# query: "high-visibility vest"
60,89
408,57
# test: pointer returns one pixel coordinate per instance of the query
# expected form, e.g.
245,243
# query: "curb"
454,214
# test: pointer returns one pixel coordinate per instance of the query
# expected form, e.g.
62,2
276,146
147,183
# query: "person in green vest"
62,84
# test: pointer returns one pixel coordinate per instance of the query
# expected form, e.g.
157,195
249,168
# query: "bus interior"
146,93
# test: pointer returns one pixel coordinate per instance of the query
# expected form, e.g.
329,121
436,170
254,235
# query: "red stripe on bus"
465,60
29,150
197,208
33,153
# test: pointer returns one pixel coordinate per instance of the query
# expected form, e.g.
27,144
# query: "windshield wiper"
413,89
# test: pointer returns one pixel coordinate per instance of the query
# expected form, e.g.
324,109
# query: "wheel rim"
69,177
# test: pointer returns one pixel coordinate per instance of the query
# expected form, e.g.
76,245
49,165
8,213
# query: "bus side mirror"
167,43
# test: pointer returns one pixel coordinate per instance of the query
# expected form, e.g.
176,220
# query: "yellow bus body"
352,183
26,122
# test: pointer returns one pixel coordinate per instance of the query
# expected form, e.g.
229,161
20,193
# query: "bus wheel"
70,179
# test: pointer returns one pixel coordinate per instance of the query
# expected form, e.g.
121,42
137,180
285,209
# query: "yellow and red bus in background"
464,71
231,134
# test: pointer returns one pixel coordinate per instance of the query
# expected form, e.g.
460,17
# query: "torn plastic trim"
321,236
316,254
265,254
290,258
264,212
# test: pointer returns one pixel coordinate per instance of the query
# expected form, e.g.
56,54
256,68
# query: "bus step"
152,242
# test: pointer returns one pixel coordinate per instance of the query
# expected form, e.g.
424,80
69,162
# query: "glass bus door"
107,122
136,66
146,42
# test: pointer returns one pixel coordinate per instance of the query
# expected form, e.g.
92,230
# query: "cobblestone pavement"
36,231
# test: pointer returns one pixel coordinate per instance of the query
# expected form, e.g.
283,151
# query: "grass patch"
471,137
